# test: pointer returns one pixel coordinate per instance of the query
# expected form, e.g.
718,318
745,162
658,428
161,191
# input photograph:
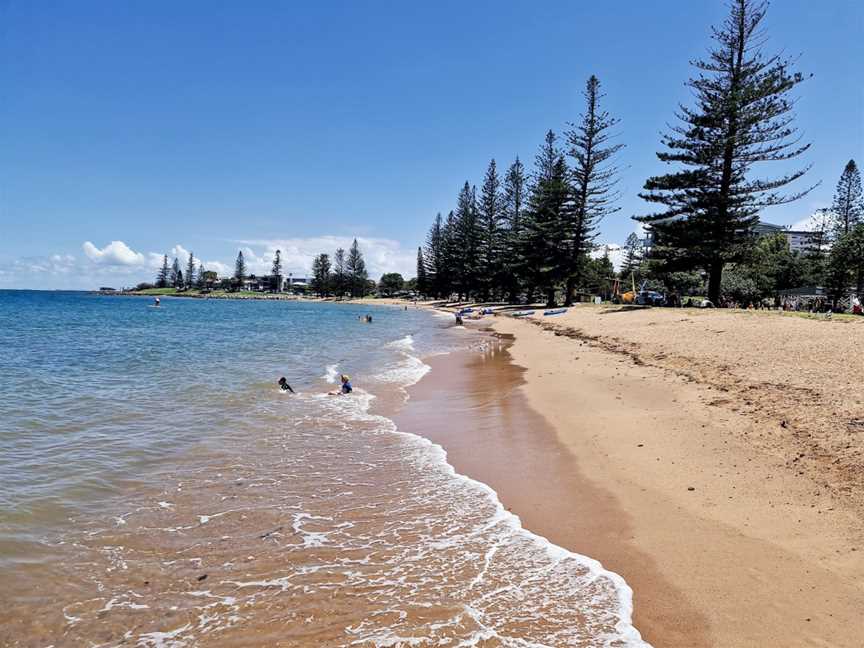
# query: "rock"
202,577
691,488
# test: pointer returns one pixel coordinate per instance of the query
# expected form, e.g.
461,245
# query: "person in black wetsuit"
283,384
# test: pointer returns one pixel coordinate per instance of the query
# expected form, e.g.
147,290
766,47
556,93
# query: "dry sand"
715,461
734,443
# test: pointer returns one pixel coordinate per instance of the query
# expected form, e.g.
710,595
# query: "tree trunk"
550,298
715,274
568,291
513,290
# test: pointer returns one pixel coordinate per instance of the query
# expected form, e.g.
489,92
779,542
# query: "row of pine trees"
528,234
531,234
345,275
172,276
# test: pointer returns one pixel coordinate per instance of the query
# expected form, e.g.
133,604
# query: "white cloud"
810,223
117,264
115,253
179,252
382,255
222,269
154,260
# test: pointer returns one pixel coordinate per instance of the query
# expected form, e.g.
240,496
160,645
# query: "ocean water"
158,489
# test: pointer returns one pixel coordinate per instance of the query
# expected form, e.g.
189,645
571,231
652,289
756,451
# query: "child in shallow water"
284,386
346,386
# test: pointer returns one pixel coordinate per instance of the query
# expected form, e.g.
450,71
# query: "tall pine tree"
240,270
422,280
276,271
743,115
321,279
434,259
543,257
356,268
176,276
513,206
593,178
632,255
451,256
162,277
848,206
491,232
190,271
466,239
340,273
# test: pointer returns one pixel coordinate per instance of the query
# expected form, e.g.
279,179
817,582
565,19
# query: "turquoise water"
97,392
159,490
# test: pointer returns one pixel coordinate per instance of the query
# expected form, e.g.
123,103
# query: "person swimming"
283,384
157,303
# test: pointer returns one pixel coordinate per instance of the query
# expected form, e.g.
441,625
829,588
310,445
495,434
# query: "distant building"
799,240
291,281
209,278
252,283
273,283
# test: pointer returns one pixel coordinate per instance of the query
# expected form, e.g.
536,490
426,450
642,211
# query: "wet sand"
473,406
642,469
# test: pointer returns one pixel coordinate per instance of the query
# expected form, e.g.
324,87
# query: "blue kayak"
555,311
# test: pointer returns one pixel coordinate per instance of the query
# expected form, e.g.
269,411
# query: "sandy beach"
712,458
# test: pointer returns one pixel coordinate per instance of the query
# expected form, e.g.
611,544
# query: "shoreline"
265,296
454,390
722,543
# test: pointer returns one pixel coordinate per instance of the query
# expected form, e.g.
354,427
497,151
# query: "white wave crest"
331,373
404,344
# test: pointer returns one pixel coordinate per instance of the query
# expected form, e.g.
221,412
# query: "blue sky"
164,127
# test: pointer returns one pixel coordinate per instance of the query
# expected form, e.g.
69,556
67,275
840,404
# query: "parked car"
650,298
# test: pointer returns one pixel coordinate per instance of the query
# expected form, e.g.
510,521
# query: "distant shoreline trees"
164,273
240,269
347,275
190,272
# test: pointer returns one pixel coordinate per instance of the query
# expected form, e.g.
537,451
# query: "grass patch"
157,291
835,317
